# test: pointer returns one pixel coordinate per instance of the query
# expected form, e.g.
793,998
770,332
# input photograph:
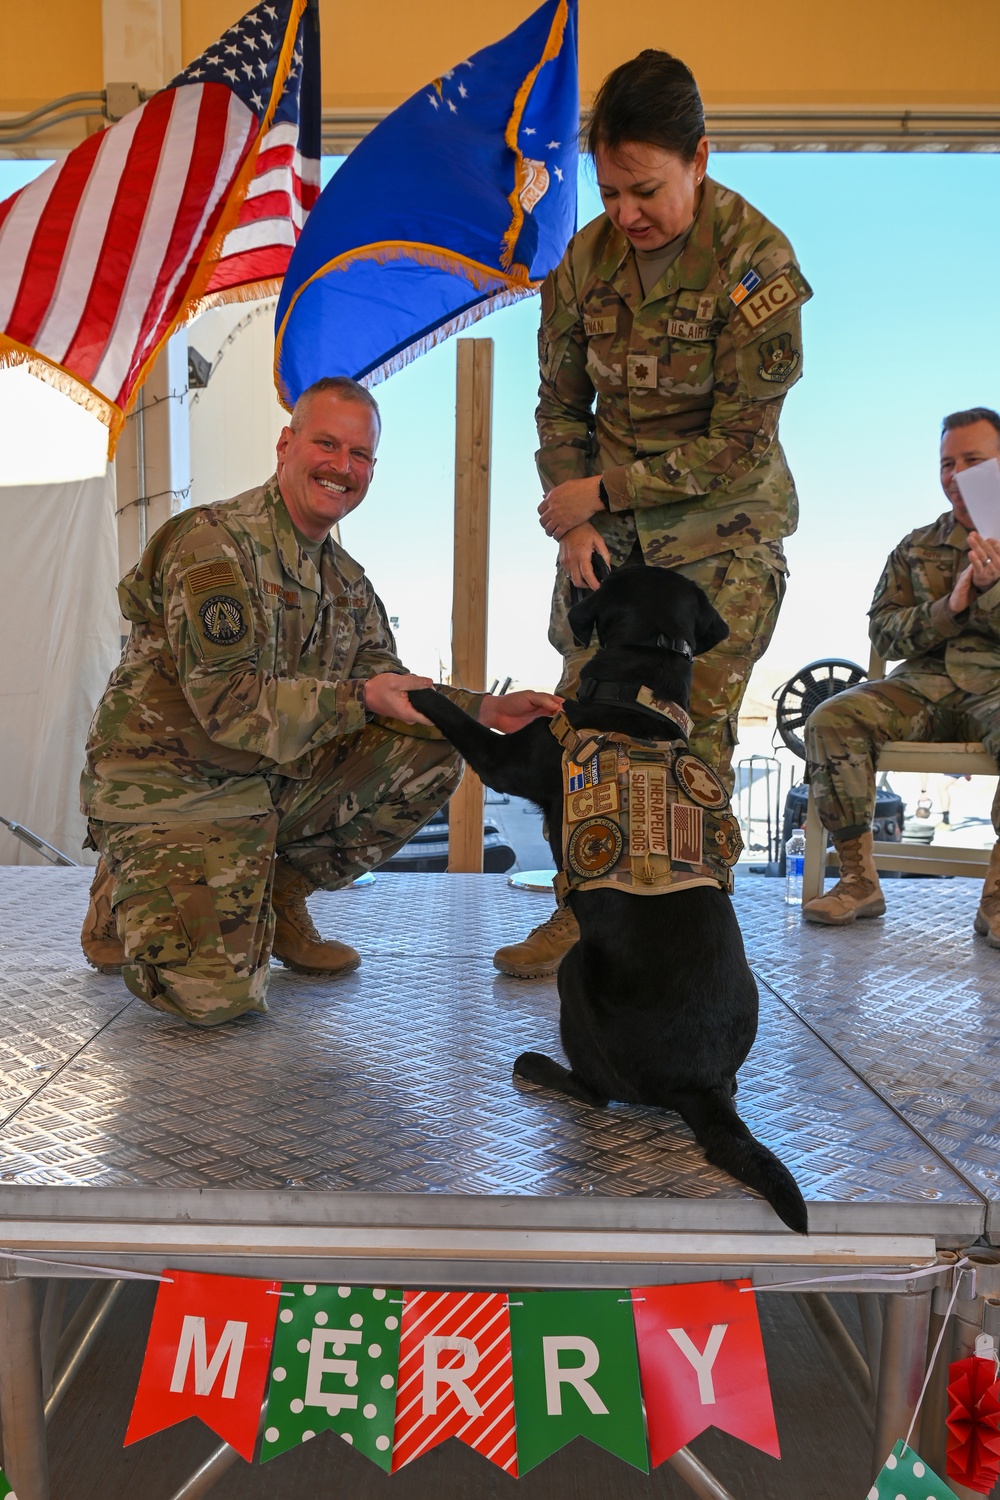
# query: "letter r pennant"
702,1363
207,1356
576,1375
455,1377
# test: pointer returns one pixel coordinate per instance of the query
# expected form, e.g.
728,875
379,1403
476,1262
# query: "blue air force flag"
461,200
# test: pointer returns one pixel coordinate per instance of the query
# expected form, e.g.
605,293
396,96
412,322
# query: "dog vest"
642,816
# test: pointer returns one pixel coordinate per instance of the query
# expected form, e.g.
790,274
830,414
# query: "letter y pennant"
207,1356
455,1376
702,1362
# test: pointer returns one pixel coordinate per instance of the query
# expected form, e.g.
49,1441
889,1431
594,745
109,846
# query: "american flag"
198,196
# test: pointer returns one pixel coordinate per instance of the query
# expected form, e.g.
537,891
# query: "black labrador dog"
658,1004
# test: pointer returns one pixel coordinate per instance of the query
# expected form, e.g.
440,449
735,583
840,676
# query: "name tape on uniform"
694,332
774,297
592,327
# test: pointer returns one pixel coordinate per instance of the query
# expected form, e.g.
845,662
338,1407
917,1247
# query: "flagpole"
473,439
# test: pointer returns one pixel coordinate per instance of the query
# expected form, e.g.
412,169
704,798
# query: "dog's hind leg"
535,1067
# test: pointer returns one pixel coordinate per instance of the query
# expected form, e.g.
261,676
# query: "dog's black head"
635,606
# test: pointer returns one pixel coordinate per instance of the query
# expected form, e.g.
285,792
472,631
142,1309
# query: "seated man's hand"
984,554
515,710
388,695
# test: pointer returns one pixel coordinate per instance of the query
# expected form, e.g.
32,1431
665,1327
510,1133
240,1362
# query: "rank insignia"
595,847
749,283
642,371
778,358
700,782
222,620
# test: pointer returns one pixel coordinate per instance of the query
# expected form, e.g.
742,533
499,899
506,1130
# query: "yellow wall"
855,52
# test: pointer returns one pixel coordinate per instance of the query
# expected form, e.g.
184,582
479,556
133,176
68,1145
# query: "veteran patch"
699,782
595,847
778,295
222,620
778,358
642,371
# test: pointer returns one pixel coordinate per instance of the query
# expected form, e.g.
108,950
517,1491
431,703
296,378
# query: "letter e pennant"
576,1375
455,1377
207,1356
336,1352
702,1363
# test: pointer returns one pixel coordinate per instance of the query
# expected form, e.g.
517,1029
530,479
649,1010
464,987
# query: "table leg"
902,1366
22,1412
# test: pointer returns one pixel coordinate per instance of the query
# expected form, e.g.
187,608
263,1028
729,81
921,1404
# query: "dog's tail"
728,1143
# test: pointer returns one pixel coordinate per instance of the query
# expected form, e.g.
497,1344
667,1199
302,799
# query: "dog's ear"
710,628
582,617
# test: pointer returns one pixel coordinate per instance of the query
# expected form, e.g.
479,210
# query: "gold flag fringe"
550,51
453,326
506,287
63,380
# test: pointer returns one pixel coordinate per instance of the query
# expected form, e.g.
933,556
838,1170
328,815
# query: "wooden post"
473,429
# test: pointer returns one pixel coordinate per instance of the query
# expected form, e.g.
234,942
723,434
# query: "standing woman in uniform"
670,333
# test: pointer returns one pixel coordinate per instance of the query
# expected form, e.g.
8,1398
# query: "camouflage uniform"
689,385
233,728
947,686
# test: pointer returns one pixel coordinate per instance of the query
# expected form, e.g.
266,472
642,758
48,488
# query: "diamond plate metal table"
369,1129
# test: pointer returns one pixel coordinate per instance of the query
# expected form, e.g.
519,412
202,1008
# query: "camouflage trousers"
192,901
746,589
843,738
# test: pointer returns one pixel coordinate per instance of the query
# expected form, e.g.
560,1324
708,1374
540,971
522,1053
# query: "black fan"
813,685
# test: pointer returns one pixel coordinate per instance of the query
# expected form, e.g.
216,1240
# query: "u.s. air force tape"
222,620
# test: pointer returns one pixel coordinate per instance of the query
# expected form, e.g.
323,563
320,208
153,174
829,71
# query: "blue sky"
900,250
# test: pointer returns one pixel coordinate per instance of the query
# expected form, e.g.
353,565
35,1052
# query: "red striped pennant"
455,1377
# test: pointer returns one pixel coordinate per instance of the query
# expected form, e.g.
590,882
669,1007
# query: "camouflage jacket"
243,659
689,380
910,618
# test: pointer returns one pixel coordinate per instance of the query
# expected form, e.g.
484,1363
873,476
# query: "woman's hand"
576,555
570,504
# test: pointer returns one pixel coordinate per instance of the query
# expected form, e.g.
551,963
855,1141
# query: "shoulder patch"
210,575
223,620
779,295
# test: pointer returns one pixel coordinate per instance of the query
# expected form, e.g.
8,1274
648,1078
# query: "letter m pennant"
207,1356
455,1377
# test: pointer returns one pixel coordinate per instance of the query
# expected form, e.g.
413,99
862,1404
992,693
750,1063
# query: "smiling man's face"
325,461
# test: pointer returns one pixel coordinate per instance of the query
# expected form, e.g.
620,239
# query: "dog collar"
636,697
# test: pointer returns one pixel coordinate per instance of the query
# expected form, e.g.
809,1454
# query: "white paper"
980,489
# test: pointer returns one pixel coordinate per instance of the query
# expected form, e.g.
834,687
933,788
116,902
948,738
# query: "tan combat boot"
542,950
857,892
987,922
297,944
102,947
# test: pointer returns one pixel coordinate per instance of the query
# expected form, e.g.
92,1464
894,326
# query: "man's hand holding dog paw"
576,555
570,504
388,696
516,710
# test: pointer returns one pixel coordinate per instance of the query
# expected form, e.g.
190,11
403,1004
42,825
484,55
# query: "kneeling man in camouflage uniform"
257,741
937,608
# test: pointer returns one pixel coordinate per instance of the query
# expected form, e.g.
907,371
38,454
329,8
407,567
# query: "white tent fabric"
60,640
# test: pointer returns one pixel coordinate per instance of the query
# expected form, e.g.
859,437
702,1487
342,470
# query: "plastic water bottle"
795,854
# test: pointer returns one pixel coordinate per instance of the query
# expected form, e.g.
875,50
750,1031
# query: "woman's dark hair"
653,99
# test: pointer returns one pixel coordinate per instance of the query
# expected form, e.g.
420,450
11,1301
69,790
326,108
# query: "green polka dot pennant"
335,1362
6,1493
905,1476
